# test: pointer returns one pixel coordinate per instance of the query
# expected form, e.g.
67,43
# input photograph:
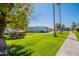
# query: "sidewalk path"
70,46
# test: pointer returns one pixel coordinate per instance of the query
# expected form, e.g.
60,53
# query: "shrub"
77,29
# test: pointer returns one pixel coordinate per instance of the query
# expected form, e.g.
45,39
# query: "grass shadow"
15,50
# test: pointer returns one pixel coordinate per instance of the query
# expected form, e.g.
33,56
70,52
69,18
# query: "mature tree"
73,26
58,26
20,13
15,15
62,27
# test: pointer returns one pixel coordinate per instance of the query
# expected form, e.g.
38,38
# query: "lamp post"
59,15
54,20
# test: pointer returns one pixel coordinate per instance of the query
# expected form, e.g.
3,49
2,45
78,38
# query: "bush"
77,29
18,35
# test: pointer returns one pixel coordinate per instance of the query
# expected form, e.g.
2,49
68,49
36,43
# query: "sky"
43,14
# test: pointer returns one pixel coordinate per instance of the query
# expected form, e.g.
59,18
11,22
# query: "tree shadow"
15,50
73,39
68,38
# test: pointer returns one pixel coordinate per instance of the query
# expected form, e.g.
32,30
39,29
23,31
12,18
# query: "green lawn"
37,44
77,35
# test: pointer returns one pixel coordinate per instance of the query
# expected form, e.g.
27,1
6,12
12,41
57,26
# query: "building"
38,29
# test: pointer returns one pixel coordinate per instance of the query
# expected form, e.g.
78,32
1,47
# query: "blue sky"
44,14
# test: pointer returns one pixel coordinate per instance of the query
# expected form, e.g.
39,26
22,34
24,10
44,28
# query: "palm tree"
54,20
59,16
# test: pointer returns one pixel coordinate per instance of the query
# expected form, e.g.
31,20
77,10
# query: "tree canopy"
16,14
73,26
60,26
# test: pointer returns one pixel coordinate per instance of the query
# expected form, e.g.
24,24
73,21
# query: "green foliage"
73,26
16,14
77,29
58,26
62,26
77,35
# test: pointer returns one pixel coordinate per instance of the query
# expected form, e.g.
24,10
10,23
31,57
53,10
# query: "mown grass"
39,44
77,35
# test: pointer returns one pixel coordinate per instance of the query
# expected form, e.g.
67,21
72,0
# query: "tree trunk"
3,46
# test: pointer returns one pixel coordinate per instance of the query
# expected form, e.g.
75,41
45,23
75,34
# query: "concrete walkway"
70,46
